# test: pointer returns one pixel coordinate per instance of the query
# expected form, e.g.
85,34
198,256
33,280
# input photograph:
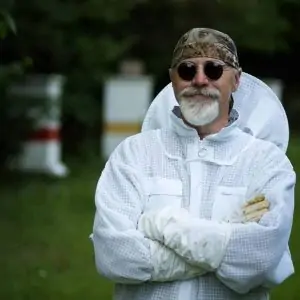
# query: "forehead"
202,60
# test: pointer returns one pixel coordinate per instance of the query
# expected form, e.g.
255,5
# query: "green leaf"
3,30
9,21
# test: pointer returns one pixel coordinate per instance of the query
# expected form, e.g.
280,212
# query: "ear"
237,77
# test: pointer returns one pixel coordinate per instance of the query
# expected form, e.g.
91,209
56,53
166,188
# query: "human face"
205,96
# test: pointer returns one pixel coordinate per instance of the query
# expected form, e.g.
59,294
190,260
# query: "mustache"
206,92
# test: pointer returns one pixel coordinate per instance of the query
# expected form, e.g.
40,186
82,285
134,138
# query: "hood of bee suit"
260,111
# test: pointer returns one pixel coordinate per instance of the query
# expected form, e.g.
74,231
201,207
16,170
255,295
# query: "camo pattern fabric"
206,42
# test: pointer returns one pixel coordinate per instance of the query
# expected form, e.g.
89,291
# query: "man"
172,220
260,111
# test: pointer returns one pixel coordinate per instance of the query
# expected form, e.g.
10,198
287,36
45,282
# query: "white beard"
199,113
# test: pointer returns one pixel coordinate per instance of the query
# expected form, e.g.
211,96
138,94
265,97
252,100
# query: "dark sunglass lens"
187,71
213,71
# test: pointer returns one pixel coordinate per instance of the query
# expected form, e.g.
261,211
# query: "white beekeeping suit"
261,112
164,204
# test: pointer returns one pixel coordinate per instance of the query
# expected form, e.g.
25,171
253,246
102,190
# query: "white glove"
153,222
200,242
175,228
168,266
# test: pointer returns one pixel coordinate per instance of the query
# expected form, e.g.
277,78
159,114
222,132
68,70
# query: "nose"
200,77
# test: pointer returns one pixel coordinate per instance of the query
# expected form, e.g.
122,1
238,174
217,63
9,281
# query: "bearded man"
199,210
261,113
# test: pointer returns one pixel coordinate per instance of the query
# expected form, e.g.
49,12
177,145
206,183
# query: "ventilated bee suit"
168,223
261,112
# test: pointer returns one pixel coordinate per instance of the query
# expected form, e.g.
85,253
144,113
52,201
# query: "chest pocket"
228,202
162,192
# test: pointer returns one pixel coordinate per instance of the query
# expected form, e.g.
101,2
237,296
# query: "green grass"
45,252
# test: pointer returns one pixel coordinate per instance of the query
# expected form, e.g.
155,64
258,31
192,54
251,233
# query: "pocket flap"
229,190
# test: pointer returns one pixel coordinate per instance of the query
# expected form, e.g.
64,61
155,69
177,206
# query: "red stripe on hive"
45,134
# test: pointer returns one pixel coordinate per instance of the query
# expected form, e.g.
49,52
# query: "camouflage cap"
206,42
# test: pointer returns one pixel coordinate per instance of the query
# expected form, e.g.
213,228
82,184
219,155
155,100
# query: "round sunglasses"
212,70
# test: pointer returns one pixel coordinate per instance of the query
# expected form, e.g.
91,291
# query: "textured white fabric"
237,213
261,112
168,266
230,159
201,242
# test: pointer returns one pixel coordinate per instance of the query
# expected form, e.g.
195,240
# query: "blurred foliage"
257,26
82,40
11,122
6,24
16,122
85,40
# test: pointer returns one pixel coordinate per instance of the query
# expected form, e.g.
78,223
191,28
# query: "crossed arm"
125,254
122,253
242,255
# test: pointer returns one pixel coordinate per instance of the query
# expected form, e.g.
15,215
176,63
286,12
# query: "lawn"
45,252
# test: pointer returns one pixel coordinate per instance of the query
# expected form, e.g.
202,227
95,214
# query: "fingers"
258,206
255,216
256,199
255,208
